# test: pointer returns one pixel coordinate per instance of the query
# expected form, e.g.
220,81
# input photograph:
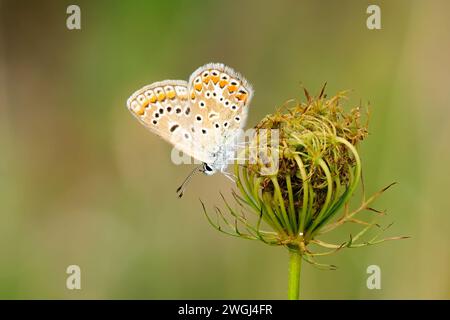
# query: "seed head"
298,185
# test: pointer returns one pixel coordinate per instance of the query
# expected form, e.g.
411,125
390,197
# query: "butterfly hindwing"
219,97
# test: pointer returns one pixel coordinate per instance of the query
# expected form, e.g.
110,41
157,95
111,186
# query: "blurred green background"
81,182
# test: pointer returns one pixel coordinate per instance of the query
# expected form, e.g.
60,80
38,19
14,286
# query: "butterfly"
202,117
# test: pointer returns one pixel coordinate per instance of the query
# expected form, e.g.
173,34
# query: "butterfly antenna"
180,190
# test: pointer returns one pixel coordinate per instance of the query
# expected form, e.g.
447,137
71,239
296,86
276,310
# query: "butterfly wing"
219,98
164,108
201,117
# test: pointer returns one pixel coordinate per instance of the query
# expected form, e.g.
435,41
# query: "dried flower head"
318,169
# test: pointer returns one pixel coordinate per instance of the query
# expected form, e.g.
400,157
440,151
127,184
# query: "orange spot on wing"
152,98
206,79
161,96
223,83
171,94
215,79
241,96
138,109
232,88
198,87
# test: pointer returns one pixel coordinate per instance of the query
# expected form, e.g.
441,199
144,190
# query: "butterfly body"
203,117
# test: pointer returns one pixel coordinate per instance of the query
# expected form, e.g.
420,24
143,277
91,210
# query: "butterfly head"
208,170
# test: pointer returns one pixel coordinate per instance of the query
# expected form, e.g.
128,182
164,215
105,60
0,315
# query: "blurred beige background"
81,182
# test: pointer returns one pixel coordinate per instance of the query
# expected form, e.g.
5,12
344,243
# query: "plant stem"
295,266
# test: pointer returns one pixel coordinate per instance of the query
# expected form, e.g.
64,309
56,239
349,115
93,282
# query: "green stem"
295,266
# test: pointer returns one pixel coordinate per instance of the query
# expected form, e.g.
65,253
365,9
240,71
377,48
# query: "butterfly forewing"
164,108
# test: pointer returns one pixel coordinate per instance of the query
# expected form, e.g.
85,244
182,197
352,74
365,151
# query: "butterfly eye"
206,167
